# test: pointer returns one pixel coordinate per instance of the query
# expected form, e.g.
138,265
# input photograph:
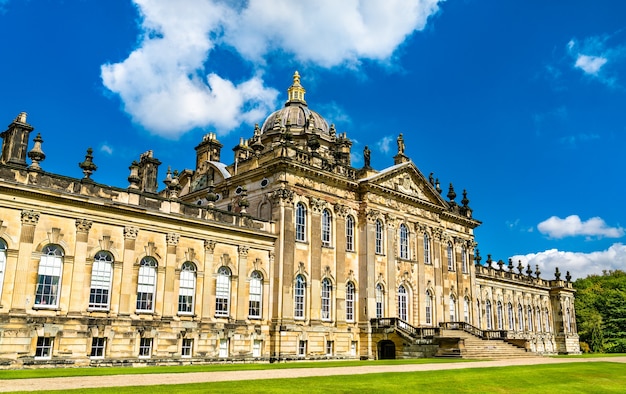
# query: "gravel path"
200,377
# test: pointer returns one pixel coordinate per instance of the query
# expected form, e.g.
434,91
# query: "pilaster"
24,260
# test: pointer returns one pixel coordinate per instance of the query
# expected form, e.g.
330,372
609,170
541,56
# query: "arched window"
426,249
327,221
49,277
3,262
350,233
403,312
546,319
404,242
326,297
520,317
299,294
568,321
379,237
488,314
480,314
529,318
511,316
256,295
101,275
429,308
380,299
187,288
300,222
450,255
466,310
146,284
222,291
452,306
499,315
464,265
350,302
538,322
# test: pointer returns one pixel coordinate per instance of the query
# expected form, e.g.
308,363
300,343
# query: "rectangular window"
48,281
379,237
223,352
302,348
353,348
256,348
145,347
44,347
350,234
186,348
97,347
330,345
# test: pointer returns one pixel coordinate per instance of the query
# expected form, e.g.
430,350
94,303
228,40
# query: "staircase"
461,340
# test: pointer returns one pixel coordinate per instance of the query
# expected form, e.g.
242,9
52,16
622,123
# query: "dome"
295,113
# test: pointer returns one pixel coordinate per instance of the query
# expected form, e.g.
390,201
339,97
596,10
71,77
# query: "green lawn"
594,377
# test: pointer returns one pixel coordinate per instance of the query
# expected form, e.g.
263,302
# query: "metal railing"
485,334
404,327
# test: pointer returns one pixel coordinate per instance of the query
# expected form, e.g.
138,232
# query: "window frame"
500,315
98,347
145,347
511,316
186,348
464,266
520,317
429,308
3,262
488,315
427,259
327,225
350,233
450,255
300,222
452,308
255,295
403,308
380,301
404,242
302,345
379,238
326,297
223,350
299,295
187,282
146,280
223,292
100,286
350,299
466,309
49,277
43,348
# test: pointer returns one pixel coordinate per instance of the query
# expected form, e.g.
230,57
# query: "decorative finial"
451,194
243,202
366,157
438,186
510,265
477,257
88,165
211,197
568,277
529,270
400,144
557,274
296,92
489,261
500,264
21,117
465,201
35,154
537,272
520,267
431,179
133,178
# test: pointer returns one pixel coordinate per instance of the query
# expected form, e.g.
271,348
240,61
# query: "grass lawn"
594,377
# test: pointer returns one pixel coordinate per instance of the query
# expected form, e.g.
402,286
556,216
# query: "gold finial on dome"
296,91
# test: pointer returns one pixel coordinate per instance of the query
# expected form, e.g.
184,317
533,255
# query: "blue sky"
522,103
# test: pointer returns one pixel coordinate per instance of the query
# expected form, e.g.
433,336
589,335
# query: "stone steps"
466,345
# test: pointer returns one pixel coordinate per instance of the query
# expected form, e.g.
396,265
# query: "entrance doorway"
386,350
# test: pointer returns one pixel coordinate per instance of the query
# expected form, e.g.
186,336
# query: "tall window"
44,347
3,262
350,233
145,347
379,237
546,320
452,308
300,222
101,281
350,302
480,315
256,295
429,308
49,277
500,318
223,351
187,288
520,317
464,265
466,310
488,314
426,249
450,257
302,348
256,348
186,348
326,292
511,317
146,284
327,221
222,291
538,315
380,299
404,242
403,313
97,347
299,294
568,321
529,318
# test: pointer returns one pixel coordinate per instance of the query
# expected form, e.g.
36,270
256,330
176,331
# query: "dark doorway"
386,350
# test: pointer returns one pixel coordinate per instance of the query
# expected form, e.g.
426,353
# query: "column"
170,298
208,294
241,296
23,268
77,278
128,287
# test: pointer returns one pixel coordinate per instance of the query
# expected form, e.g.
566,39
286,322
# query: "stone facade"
287,253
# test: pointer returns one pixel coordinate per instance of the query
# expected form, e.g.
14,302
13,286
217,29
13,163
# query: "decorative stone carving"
421,228
243,251
131,232
372,215
341,210
437,233
391,220
284,195
83,225
30,217
209,245
172,239
317,204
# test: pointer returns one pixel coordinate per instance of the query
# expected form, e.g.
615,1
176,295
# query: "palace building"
288,252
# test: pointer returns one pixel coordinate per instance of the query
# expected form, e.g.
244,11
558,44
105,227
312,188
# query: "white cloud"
106,148
578,264
168,85
572,226
590,64
384,144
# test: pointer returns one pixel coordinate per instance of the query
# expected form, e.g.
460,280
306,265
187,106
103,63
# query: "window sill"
46,307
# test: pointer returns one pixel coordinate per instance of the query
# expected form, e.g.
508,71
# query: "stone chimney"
15,141
208,150
148,172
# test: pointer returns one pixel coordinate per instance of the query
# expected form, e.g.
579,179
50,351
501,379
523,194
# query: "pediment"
407,180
